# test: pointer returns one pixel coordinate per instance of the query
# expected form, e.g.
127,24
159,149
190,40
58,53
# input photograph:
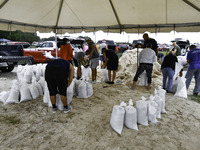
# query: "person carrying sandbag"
56,76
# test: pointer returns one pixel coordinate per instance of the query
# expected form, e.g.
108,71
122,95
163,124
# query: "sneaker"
54,110
66,110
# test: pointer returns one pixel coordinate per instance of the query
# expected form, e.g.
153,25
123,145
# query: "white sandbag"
19,70
43,69
15,84
38,72
142,115
131,116
28,74
181,88
59,103
25,94
34,91
46,97
4,96
174,86
89,89
117,118
38,86
161,93
159,101
76,85
178,68
70,92
86,73
182,60
105,75
82,90
13,96
42,83
152,110
143,79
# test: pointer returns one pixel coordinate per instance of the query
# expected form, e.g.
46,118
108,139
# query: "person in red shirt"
66,52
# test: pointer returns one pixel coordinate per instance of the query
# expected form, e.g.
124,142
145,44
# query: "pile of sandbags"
28,85
146,111
78,88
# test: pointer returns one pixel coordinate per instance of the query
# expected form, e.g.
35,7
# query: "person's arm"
93,48
106,60
71,74
71,51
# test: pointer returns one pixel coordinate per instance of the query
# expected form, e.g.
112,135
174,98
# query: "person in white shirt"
101,46
146,58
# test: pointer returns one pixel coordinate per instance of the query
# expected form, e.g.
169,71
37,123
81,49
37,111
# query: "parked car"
111,45
122,47
137,43
24,44
163,47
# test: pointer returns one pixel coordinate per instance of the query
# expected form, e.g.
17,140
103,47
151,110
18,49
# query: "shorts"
112,64
102,58
94,62
57,80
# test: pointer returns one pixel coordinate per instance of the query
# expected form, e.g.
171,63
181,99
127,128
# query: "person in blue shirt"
59,74
193,58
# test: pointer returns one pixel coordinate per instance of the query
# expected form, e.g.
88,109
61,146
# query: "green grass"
194,98
9,119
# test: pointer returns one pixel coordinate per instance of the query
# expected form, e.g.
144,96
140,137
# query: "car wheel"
7,69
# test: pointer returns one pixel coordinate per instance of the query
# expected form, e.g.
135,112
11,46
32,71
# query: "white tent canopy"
75,16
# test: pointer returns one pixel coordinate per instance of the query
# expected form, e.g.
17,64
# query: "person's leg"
79,72
164,72
170,79
197,82
53,100
109,75
63,99
93,74
149,69
138,73
189,76
114,75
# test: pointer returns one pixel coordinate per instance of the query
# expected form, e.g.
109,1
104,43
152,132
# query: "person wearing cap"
153,42
94,58
101,46
66,52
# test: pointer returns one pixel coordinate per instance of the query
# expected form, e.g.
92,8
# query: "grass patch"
9,119
194,98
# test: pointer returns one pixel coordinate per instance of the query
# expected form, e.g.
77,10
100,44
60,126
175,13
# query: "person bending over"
111,62
146,58
59,74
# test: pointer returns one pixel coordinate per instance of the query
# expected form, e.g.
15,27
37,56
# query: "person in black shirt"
168,70
56,75
111,61
153,42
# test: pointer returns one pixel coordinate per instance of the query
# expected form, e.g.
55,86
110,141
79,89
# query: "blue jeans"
189,75
168,73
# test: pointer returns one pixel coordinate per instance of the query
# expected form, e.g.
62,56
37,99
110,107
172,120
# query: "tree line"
20,36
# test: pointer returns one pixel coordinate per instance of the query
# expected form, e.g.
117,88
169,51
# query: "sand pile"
128,67
31,125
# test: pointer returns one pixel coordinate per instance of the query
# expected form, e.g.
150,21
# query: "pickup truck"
38,54
11,55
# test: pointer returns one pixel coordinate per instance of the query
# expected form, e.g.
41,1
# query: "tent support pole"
113,8
56,43
2,4
192,5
